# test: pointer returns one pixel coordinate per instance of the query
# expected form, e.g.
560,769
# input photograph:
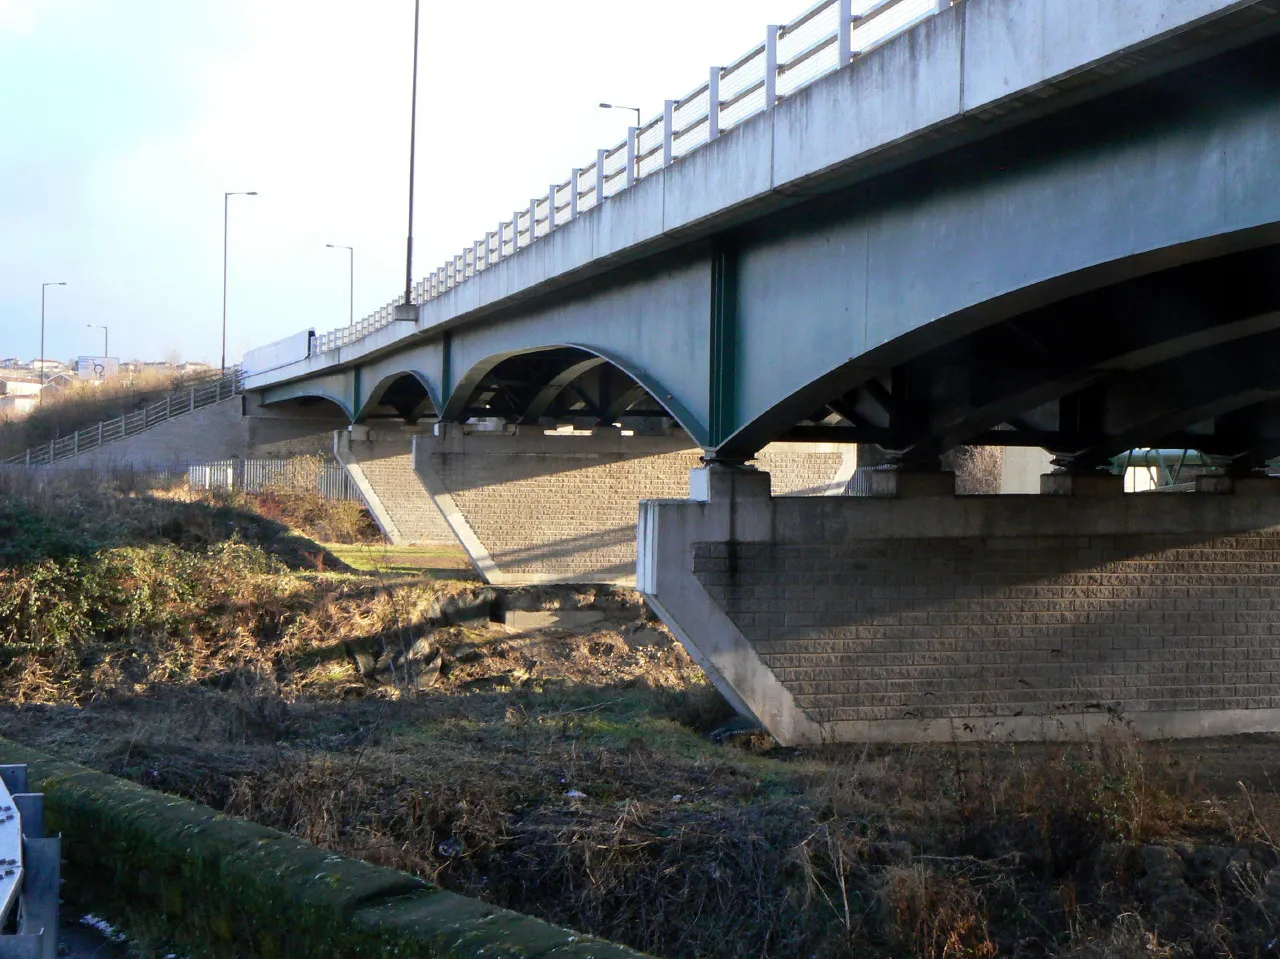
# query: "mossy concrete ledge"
215,886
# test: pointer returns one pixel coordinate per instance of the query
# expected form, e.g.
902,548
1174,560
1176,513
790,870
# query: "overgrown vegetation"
590,775
83,403
344,522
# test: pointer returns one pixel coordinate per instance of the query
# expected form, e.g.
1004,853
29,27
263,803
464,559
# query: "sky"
122,122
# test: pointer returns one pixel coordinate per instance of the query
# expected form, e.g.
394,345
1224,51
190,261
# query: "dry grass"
344,522
594,778
84,403
978,469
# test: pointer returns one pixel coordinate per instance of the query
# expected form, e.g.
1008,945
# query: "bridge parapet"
828,36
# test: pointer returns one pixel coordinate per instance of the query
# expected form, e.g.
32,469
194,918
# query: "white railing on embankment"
828,36
176,403
329,479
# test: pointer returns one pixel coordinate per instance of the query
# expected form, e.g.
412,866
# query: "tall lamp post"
614,106
99,326
351,280
408,312
226,199
43,287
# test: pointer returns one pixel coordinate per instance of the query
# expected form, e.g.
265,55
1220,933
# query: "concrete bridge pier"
917,615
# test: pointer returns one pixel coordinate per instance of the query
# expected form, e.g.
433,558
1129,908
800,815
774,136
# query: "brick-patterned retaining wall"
387,467
961,628
1027,616
542,508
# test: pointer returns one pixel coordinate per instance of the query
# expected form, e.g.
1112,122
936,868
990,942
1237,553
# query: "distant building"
14,387
18,397
49,366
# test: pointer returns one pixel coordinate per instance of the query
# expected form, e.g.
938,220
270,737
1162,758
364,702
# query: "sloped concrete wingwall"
1017,616
381,463
542,508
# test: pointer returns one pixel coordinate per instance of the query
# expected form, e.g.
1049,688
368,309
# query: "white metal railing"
330,480
828,36
176,403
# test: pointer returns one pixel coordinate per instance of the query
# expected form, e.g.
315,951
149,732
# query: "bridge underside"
1184,358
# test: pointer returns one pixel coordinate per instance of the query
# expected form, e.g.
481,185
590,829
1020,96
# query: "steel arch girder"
471,380
340,388
374,397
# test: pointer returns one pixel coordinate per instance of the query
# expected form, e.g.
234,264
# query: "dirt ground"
555,751
592,777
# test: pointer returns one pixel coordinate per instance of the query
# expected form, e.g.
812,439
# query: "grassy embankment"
593,778
82,404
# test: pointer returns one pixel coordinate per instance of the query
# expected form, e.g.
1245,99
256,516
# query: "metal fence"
830,35
330,480
186,400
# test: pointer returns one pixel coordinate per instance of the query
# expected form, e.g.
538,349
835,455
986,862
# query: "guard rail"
828,36
176,403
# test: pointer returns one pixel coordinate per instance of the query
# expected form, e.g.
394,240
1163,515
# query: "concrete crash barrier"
29,871
215,886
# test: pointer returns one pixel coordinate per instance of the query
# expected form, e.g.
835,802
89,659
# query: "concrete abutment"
531,505
927,616
560,507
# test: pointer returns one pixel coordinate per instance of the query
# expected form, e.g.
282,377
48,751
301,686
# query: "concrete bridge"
1018,223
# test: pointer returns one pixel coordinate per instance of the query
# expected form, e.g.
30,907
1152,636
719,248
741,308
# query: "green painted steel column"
723,353
446,370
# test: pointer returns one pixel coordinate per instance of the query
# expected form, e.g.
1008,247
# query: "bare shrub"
978,469
83,403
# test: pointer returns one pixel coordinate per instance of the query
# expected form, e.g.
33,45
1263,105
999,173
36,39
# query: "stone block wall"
212,433
963,628
1031,616
384,471
535,507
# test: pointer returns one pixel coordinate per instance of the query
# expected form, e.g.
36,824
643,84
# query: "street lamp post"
614,106
226,199
99,326
351,280
413,141
43,287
